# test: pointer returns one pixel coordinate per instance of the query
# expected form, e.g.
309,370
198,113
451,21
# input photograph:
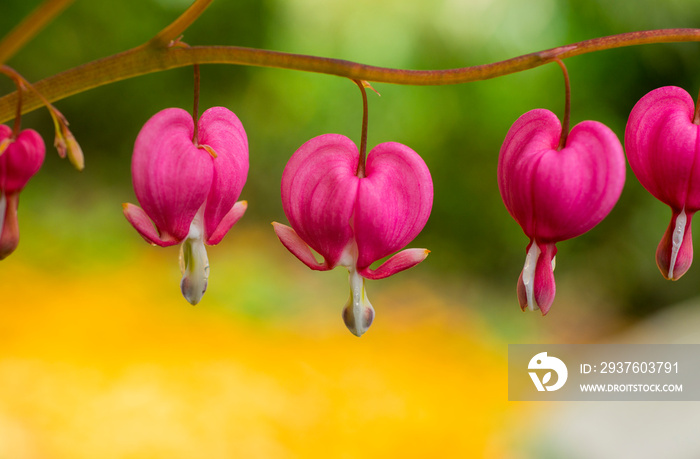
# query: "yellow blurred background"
105,359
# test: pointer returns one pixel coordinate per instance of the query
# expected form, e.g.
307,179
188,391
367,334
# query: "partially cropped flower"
353,221
189,190
662,143
556,194
20,158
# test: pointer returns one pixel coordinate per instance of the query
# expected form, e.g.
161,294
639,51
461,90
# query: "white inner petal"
194,264
3,208
677,240
358,313
529,275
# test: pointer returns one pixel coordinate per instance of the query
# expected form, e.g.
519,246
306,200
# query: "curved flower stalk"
661,140
188,189
64,141
556,193
21,157
353,221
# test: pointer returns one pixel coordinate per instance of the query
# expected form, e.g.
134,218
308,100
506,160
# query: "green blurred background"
74,236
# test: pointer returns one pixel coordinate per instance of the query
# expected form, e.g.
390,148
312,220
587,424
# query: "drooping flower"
187,189
556,194
353,221
662,143
20,158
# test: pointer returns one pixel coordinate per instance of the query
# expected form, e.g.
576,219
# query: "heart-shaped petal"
394,200
319,189
663,147
221,130
172,176
535,132
559,194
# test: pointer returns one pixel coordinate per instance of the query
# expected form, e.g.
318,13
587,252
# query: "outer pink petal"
140,221
401,261
663,146
298,247
21,160
319,188
577,187
556,195
533,133
226,223
393,202
171,176
221,129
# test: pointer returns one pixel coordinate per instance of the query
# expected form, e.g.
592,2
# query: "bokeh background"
100,356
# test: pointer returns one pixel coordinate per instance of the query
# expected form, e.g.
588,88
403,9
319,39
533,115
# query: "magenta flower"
189,189
662,142
556,194
20,158
352,220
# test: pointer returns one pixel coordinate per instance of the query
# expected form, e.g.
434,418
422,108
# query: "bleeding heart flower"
662,142
352,220
556,194
189,188
20,158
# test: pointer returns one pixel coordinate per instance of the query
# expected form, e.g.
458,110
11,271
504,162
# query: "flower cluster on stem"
351,207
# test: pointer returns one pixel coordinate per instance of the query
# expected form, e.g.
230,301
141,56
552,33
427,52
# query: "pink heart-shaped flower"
559,194
330,207
174,177
556,194
662,140
354,220
20,159
188,186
